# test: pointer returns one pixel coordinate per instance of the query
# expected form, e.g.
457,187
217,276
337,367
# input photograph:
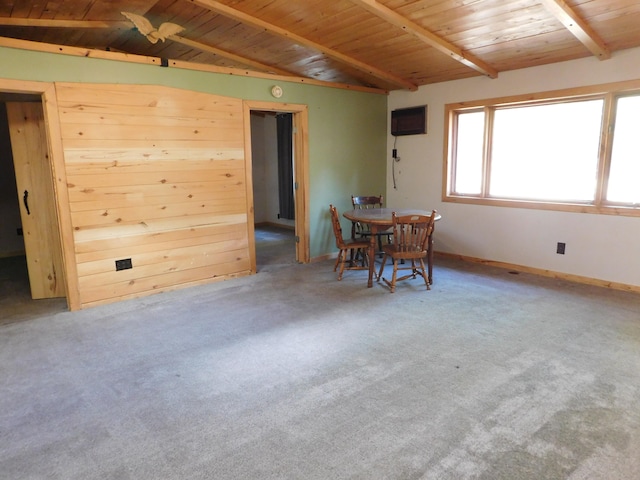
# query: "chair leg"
418,267
424,275
414,271
356,255
335,267
343,257
392,286
353,255
384,261
365,257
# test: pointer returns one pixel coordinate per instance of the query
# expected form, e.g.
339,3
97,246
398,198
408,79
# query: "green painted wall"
347,130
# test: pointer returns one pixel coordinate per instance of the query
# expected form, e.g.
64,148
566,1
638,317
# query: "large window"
624,175
563,152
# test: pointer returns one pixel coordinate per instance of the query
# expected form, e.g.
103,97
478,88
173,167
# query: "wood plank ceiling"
383,44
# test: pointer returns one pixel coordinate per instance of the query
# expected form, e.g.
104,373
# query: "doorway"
30,248
273,187
14,277
273,235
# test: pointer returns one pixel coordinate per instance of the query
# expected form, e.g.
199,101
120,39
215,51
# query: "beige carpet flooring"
290,374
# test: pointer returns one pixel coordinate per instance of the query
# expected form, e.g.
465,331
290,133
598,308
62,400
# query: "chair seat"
406,253
356,244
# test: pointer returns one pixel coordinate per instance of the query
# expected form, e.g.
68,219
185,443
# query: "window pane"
469,141
546,152
624,175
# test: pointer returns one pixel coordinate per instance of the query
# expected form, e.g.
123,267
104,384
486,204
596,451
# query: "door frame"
46,91
30,151
301,173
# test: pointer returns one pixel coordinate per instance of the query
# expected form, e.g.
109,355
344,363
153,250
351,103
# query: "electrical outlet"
560,248
124,264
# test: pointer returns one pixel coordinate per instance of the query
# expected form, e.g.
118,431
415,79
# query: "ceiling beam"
578,27
242,17
50,23
427,37
231,56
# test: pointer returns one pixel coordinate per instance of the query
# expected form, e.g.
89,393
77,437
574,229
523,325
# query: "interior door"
37,200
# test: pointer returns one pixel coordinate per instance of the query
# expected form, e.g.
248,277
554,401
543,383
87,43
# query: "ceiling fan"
153,34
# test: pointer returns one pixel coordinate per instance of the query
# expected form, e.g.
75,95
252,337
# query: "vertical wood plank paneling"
157,175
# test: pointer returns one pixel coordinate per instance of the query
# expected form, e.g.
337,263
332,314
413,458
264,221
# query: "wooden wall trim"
131,58
546,273
301,123
24,86
52,120
248,162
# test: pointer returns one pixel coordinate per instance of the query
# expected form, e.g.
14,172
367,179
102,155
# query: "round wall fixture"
276,91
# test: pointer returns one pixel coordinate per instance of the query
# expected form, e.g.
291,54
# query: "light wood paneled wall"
157,175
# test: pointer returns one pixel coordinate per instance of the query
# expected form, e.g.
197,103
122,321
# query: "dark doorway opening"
273,187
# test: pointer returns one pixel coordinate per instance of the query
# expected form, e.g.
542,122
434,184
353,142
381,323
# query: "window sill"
553,206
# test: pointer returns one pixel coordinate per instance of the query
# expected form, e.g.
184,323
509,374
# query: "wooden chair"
411,241
359,230
357,248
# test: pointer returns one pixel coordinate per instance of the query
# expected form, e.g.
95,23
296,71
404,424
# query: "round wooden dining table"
379,220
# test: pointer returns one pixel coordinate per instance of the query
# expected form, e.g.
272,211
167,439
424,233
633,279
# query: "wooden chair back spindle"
366,202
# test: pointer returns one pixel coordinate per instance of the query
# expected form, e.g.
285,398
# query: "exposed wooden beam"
231,56
242,17
50,23
578,27
427,37
42,23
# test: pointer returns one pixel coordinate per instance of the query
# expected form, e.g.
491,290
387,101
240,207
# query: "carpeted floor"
290,374
274,246
15,295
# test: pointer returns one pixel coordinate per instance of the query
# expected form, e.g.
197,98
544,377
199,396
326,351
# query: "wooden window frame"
607,92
